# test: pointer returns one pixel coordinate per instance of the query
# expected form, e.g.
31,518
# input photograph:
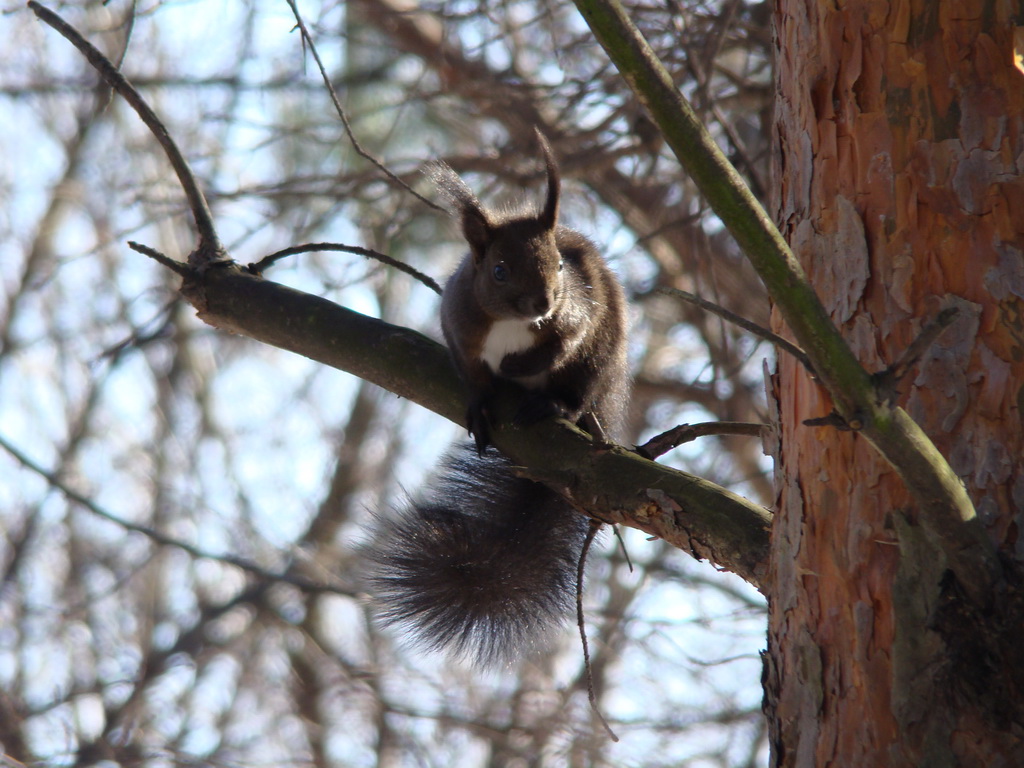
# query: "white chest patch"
506,337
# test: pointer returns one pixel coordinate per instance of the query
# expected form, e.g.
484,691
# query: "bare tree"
182,533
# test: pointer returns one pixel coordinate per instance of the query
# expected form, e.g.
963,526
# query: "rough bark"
859,400
900,132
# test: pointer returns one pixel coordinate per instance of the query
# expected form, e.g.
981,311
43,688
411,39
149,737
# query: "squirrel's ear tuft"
549,216
477,226
477,230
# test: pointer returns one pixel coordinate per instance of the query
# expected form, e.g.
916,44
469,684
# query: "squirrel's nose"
538,306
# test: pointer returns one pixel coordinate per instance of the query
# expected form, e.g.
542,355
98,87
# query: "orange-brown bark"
901,145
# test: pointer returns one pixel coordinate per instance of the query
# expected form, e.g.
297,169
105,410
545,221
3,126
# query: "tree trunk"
900,145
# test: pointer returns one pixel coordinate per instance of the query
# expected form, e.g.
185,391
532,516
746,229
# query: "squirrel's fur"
484,565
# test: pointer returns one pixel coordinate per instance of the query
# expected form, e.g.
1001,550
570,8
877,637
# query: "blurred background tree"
159,479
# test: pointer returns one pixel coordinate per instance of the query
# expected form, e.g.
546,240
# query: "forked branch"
210,248
947,511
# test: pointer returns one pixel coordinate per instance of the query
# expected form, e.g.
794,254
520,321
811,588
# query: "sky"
280,409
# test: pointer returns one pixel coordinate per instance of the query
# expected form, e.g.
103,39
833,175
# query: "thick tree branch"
947,511
616,486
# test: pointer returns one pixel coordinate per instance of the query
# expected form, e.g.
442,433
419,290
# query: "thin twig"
308,39
622,546
266,261
684,433
137,339
742,322
176,266
210,247
162,538
591,533
920,345
834,419
887,381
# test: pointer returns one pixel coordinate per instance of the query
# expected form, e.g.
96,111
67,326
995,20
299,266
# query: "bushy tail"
484,567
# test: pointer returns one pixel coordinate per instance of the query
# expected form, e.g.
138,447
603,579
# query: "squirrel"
485,565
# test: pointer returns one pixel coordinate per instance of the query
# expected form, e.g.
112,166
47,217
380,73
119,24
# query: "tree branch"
210,248
752,328
947,511
685,433
615,486
356,145
267,261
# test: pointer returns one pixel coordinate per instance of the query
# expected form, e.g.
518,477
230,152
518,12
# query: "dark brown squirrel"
485,566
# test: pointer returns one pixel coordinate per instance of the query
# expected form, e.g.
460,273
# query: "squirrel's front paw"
478,421
536,406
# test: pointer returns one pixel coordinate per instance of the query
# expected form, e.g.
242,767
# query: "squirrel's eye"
561,263
500,273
